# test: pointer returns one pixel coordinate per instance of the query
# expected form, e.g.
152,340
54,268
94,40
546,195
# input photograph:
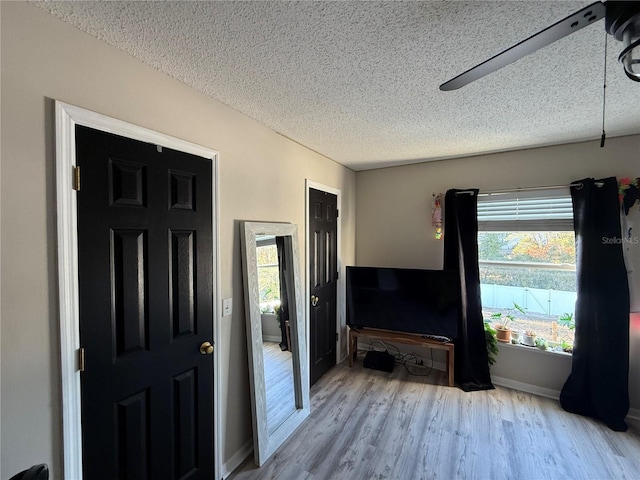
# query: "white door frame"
67,117
340,306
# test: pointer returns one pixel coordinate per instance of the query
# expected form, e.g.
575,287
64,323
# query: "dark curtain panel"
284,288
598,384
461,254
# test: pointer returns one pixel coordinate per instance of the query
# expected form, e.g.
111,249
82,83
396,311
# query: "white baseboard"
272,338
634,413
526,387
236,460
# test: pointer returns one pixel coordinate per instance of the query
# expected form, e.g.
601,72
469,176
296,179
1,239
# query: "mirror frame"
265,444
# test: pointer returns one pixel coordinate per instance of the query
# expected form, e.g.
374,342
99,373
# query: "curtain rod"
526,189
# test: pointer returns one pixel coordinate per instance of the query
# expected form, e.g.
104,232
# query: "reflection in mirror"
275,333
271,254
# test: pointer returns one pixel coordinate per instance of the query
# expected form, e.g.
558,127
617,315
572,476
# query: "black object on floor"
37,472
379,361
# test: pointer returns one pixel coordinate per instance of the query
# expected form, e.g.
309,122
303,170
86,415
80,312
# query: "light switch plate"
227,306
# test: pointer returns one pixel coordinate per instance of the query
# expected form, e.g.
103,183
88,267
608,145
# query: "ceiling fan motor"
622,21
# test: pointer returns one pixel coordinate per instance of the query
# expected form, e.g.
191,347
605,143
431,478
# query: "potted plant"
541,343
503,332
491,342
515,334
567,320
566,347
529,338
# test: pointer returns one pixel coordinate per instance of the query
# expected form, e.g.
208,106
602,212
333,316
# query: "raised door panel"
182,283
129,309
133,436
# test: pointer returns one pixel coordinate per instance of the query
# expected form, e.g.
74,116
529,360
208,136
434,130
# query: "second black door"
323,277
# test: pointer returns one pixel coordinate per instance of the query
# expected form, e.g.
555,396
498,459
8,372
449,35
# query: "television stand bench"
400,337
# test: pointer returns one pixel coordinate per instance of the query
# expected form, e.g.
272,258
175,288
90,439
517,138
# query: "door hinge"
76,178
337,337
81,360
337,213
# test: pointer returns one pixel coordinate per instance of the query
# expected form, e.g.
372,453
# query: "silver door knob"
314,300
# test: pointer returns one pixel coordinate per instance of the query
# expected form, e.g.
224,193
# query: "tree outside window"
534,270
268,277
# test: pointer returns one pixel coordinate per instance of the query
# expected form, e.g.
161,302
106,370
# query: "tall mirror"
275,333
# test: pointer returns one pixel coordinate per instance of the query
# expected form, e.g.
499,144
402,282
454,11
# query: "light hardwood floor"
278,378
367,424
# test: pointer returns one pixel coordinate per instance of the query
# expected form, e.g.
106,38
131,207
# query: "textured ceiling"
358,81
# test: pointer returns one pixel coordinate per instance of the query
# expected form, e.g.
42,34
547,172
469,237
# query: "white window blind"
538,210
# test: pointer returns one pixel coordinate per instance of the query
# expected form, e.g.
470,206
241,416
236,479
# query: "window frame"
536,210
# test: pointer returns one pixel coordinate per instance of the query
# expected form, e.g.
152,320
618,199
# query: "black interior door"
146,306
323,276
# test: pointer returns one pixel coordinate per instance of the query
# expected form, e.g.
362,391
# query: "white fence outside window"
535,300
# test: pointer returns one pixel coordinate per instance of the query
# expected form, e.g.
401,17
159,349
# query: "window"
526,248
268,274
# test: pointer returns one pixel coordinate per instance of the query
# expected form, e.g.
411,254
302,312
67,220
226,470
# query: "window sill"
533,349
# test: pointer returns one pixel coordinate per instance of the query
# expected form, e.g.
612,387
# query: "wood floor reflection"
367,424
278,376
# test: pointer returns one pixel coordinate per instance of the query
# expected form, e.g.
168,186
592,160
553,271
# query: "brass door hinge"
81,359
76,179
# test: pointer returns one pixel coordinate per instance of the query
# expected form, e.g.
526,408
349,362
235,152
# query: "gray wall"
45,59
393,226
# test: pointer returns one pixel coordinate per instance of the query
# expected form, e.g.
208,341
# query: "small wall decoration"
628,192
436,214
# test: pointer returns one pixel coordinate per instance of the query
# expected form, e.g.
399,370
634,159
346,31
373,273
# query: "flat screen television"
403,300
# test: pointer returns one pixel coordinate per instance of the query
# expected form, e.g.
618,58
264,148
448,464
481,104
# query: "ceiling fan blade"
567,26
